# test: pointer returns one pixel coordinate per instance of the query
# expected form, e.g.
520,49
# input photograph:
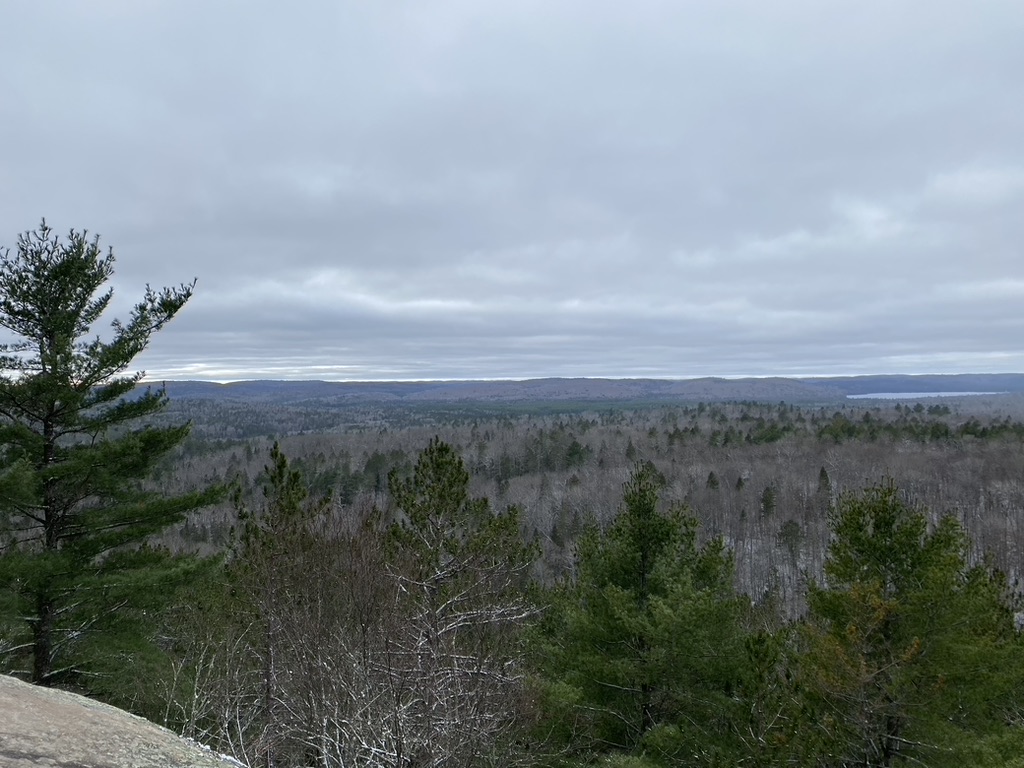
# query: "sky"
478,189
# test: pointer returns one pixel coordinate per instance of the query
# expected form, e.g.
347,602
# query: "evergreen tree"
74,516
454,661
910,652
641,651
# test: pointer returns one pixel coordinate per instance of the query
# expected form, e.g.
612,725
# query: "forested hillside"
722,584
332,394
761,475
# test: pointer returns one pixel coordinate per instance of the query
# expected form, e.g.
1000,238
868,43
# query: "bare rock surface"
46,728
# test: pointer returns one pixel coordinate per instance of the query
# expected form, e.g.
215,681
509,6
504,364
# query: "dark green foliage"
824,482
768,431
125,655
770,725
285,513
75,445
909,653
438,512
640,652
440,523
553,450
791,537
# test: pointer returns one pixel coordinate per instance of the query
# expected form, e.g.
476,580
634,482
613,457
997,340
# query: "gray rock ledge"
47,728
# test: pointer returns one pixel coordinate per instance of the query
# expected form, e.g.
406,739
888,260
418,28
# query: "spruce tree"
76,441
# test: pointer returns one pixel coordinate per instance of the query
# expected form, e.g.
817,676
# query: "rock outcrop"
46,727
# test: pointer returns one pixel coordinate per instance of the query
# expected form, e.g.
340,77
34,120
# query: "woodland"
623,584
763,476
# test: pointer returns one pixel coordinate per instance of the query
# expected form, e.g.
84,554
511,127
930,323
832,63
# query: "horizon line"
521,379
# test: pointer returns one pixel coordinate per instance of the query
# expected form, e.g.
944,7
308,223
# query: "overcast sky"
374,189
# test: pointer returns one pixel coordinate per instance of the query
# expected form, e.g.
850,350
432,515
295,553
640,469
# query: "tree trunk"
42,640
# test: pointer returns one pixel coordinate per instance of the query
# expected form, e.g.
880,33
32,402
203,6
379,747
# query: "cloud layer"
457,189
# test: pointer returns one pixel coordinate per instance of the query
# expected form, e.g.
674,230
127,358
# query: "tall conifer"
76,440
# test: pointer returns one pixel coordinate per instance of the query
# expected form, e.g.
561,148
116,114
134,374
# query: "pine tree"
909,651
454,662
74,516
640,651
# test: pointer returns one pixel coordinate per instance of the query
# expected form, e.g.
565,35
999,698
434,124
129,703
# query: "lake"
916,395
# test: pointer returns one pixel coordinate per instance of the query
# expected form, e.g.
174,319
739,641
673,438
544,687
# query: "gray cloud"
463,189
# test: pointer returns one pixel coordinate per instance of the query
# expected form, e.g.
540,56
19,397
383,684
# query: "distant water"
916,395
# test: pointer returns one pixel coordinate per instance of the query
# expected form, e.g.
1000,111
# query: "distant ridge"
530,390
709,389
